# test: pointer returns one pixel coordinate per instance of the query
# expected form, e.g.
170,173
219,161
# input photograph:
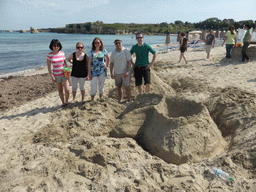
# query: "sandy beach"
198,115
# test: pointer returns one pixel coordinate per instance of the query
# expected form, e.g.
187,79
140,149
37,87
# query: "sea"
25,52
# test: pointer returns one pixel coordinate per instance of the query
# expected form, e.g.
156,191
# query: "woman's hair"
248,25
93,46
55,42
182,34
79,43
231,28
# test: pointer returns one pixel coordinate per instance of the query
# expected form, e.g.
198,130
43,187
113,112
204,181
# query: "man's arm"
153,61
128,68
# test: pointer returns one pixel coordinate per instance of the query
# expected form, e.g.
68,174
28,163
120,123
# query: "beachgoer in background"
246,42
183,46
120,61
230,39
79,72
57,60
97,67
209,43
142,65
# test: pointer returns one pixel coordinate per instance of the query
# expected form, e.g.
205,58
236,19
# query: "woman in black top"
79,73
183,46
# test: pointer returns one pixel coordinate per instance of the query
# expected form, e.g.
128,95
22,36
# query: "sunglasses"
118,43
79,47
139,37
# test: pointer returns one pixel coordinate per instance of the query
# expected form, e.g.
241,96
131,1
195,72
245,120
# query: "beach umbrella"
178,36
222,33
167,40
203,33
217,32
187,34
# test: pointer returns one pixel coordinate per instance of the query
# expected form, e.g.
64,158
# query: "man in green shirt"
142,65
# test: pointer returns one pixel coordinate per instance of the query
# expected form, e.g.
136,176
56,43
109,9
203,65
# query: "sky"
23,14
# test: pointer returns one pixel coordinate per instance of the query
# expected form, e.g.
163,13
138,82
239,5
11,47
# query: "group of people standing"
230,39
95,65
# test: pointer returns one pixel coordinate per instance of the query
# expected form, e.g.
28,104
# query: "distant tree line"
99,27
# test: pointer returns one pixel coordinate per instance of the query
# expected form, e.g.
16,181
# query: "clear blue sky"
23,14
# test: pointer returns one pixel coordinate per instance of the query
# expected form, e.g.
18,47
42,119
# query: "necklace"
79,57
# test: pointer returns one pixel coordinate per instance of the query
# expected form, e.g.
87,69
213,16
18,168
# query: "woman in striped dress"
57,61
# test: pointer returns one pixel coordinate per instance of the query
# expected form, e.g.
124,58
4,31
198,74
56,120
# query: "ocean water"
21,52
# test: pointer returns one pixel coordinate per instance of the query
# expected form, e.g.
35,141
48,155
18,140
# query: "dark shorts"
140,72
182,49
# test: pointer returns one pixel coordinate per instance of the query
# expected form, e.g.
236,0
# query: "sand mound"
174,129
45,147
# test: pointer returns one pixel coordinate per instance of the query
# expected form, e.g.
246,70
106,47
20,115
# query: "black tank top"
184,44
79,68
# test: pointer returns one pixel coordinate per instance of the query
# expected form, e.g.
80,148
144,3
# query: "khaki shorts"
122,81
208,48
60,78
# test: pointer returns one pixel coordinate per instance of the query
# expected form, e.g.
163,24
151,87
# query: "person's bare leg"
60,90
181,54
101,95
128,93
66,87
208,55
92,97
83,94
147,88
74,95
185,58
140,89
120,93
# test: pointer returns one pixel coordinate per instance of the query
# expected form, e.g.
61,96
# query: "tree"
164,25
88,26
178,22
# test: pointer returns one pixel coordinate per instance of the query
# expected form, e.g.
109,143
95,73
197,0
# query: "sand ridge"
48,148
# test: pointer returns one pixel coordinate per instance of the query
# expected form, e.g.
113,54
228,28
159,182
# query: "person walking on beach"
230,39
183,47
142,65
79,72
246,42
97,67
120,61
209,43
57,60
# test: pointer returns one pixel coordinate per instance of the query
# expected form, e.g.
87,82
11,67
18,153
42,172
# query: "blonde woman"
79,72
231,40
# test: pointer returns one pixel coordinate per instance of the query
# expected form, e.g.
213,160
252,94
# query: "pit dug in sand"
174,129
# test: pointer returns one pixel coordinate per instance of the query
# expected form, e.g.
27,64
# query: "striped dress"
57,61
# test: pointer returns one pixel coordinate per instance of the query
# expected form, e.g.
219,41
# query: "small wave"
18,73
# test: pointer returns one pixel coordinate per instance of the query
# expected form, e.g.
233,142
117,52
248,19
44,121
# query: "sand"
201,114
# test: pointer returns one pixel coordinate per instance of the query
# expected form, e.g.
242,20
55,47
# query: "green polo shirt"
142,54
